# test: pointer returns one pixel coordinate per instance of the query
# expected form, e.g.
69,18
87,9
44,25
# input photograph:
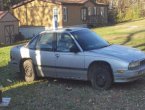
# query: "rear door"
43,55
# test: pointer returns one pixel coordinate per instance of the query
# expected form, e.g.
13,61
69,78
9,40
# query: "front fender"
115,63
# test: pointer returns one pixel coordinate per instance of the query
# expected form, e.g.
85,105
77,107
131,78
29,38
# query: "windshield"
89,40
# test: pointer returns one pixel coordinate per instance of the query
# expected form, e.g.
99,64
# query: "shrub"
112,16
19,37
127,13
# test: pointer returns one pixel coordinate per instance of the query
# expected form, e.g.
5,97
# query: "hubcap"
28,71
100,80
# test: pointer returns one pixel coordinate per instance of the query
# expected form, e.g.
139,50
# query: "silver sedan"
80,54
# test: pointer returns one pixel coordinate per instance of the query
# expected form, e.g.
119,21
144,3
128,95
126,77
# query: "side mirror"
74,49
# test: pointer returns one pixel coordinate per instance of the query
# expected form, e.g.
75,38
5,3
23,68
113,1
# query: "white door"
43,55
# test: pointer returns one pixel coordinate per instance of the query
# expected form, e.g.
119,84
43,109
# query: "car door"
43,55
69,64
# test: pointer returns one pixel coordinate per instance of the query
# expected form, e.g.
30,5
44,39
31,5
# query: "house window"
55,18
98,11
65,14
95,11
84,14
102,11
89,11
55,13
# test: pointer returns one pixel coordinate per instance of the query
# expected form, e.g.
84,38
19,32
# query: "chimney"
1,5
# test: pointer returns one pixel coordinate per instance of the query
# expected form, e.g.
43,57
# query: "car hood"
122,52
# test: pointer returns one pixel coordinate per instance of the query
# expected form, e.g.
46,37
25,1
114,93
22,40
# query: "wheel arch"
21,63
99,63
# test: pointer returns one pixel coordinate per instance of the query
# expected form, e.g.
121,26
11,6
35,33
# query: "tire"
28,71
101,77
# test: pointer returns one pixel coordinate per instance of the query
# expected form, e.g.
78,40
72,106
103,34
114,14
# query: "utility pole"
1,5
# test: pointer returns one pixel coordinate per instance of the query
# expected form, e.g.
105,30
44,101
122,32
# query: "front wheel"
28,71
101,77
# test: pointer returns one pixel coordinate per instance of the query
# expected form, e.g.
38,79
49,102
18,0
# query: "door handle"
57,55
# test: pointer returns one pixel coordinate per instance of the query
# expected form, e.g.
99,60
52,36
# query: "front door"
68,64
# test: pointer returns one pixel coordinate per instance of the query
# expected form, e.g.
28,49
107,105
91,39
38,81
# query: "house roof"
55,1
99,3
2,14
72,1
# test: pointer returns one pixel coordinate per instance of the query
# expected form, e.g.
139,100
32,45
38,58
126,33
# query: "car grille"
142,63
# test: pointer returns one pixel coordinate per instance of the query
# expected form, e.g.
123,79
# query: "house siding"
74,15
38,13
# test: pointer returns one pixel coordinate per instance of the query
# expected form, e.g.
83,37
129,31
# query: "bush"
112,16
129,13
19,37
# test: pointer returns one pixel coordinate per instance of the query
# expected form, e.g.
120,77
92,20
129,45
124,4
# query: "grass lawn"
61,94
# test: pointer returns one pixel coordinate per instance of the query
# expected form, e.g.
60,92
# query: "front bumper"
130,75
14,66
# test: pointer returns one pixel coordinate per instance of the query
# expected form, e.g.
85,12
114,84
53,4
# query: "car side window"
33,43
45,42
64,42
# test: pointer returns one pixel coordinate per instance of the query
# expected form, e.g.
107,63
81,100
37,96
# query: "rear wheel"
28,71
101,77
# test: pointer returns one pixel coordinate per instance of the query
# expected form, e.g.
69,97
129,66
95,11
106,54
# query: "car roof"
72,29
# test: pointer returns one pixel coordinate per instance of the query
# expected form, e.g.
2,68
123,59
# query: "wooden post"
0,94
4,102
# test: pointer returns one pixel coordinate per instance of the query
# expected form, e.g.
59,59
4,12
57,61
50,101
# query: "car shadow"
68,82
138,84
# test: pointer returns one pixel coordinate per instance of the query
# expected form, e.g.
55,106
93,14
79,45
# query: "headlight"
134,65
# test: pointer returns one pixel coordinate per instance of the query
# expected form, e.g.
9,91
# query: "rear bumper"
14,66
130,75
